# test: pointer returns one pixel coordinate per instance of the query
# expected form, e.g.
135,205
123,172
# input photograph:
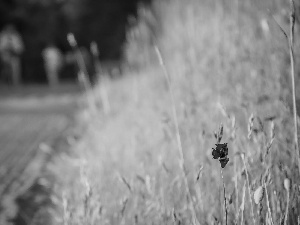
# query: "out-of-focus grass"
227,65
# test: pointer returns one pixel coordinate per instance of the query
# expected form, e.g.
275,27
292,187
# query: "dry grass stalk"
250,125
290,40
225,199
236,187
287,187
232,121
248,184
292,59
124,204
242,207
178,136
221,153
124,181
65,209
268,204
103,79
174,217
83,74
269,144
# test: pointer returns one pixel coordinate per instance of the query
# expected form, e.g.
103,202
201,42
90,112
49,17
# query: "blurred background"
40,24
87,127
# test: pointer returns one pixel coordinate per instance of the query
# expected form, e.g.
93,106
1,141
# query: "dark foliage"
221,153
43,22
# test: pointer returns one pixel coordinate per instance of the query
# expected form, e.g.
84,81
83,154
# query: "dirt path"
31,119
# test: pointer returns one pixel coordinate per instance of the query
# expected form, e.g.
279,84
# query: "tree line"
44,22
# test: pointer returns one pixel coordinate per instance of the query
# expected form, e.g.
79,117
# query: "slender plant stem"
178,137
268,204
225,200
249,191
243,203
103,79
292,59
287,208
83,73
236,186
290,40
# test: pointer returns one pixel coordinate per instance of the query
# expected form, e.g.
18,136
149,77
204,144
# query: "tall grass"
225,64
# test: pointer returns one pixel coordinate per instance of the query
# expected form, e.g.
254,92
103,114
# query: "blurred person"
53,61
11,49
81,59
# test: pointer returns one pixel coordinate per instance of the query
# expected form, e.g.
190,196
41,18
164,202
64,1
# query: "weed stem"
178,137
292,59
249,191
225,200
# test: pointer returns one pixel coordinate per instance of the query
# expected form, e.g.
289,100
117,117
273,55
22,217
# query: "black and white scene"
149,112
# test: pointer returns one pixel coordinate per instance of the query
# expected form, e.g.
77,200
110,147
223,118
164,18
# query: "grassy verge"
226,64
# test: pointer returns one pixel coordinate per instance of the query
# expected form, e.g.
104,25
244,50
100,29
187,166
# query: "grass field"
142,164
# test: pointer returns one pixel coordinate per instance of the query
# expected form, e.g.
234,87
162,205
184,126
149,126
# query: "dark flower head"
224,161
221,153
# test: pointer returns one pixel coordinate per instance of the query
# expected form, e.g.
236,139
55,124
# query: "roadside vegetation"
210,73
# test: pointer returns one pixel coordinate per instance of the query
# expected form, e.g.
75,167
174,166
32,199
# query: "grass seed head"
287,184
272,130
259,195
220,134
233,127
250,125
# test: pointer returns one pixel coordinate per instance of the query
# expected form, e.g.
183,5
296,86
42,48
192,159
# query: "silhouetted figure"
53,61
11,48
82,60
